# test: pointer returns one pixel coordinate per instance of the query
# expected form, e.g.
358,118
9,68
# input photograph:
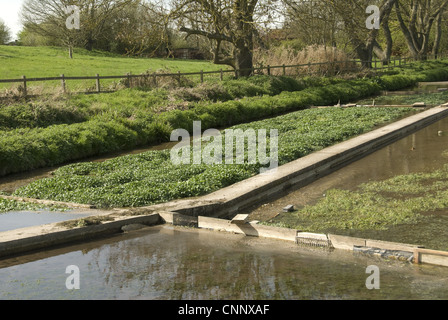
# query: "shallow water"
178,263
419,152
21,219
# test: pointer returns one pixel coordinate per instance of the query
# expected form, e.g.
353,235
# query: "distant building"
188,54
13,43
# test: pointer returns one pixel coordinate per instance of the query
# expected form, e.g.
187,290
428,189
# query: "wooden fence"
323,68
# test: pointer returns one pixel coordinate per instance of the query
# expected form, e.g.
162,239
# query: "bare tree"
48,18
416,18
229,24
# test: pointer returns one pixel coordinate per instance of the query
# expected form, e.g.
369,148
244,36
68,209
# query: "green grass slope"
52,62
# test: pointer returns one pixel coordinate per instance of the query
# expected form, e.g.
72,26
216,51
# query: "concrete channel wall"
229,201
386,249
28,240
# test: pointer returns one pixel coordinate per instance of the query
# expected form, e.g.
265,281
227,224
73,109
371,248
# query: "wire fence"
129,80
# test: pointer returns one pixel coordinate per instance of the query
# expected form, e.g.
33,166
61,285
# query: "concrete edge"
400,251
28,240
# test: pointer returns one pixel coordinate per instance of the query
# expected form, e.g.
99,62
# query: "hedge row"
25,149
151,177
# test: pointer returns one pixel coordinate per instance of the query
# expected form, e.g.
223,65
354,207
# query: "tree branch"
211,36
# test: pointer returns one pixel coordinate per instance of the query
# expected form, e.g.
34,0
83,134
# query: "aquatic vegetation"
151,177
376,205
12,205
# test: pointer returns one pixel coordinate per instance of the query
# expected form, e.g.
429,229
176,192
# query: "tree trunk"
89,44
435,49
365,54
417,34
243,58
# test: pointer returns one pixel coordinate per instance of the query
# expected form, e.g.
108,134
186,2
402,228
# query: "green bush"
151,177
38,135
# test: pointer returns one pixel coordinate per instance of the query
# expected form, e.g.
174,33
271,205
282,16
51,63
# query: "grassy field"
37,62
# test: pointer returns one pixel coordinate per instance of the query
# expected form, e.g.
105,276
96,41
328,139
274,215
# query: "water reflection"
16,220
178,263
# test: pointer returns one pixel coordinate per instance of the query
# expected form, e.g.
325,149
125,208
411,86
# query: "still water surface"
178,263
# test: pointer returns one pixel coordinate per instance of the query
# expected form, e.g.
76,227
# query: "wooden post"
202,76
98,87
221,75
416,257
284,70
129,79
269,70
155,79
25,90
63,83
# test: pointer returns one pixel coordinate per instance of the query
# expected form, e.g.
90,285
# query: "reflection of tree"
188,266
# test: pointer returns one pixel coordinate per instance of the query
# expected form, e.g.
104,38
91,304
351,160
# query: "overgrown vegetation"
378,207
12,205
53,132
151,177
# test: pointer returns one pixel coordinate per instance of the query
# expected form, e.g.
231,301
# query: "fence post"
202,76
221,76
154,75
129,79
63,83
269,70
25,90
284,70
98,87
